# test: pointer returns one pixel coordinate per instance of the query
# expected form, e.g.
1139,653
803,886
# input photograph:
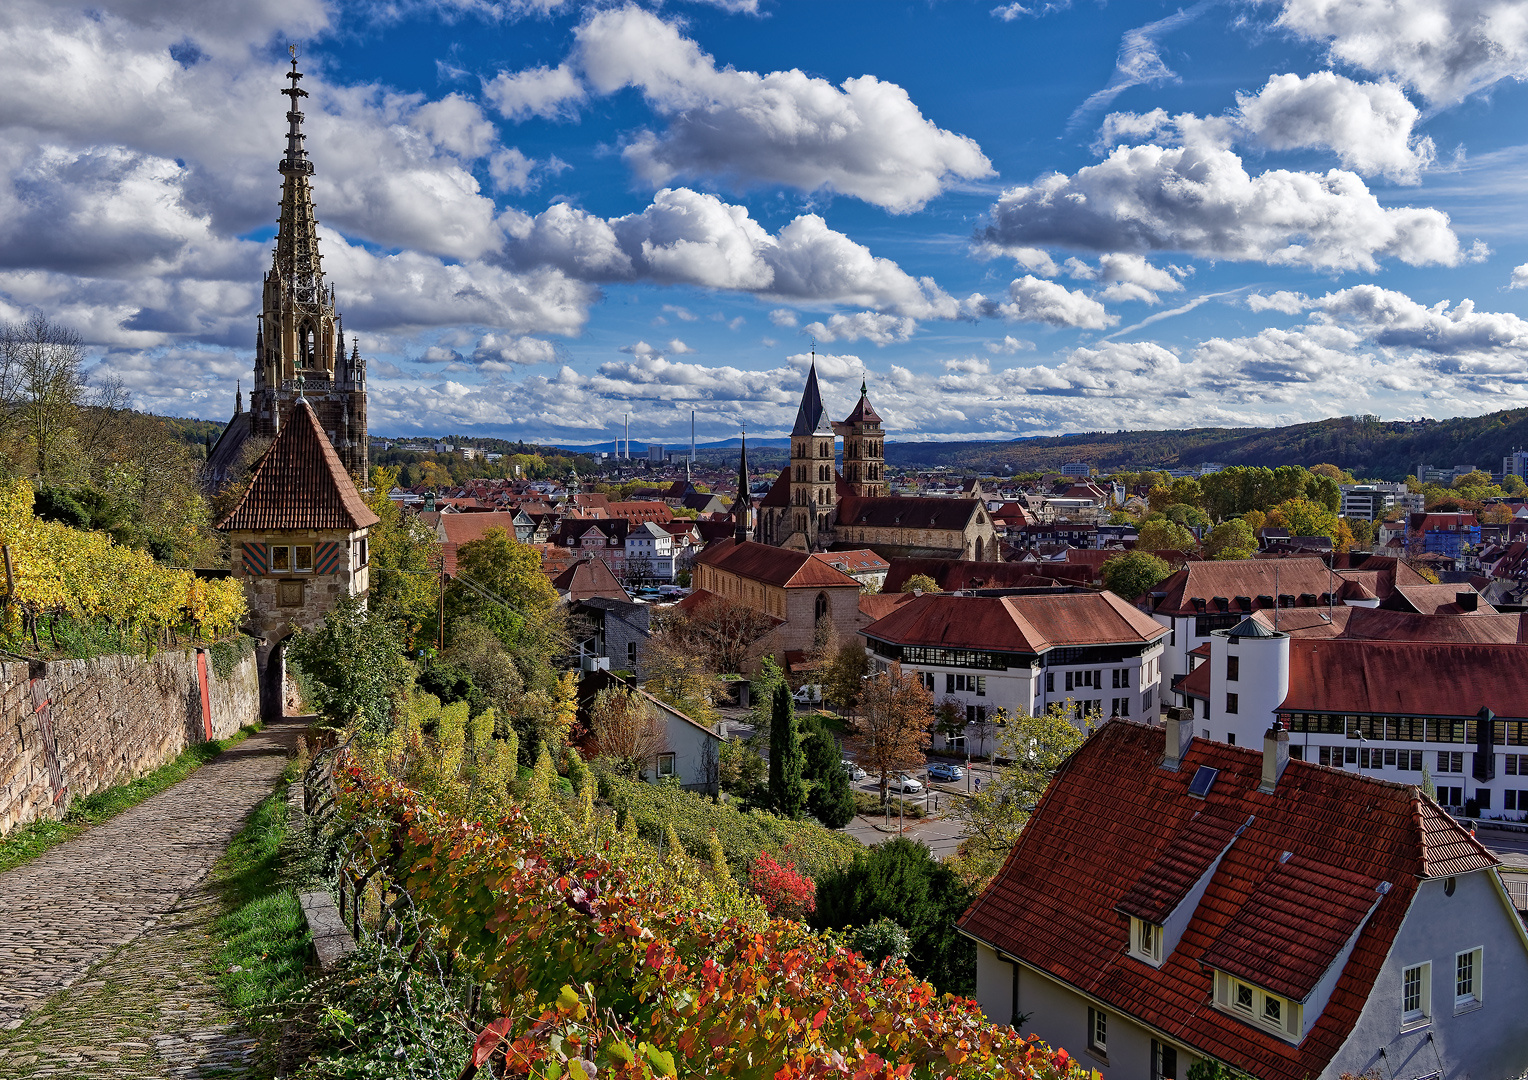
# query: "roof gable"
774,566
300,484
1055,903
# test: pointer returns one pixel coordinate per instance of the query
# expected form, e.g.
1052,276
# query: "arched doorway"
273,682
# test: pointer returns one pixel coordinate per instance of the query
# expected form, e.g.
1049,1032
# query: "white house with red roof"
1444,693
1022,654
1175,900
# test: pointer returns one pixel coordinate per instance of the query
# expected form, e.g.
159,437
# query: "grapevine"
62,571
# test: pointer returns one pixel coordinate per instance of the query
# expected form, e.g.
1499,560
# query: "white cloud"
863,325
974,365
1140,59
1009,345
1283,301
1128,277
783,317
1200,199
548,92
1445,49
677,347
1368,125
1010,12
680,313
1391,318
1031,299
1519,277
496,352
865,138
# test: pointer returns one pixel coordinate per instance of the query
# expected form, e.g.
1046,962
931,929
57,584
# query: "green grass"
263,942
32,840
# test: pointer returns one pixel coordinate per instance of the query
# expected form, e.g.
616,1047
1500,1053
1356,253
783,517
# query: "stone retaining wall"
69,728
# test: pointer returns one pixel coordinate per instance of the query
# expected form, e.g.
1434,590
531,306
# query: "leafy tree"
1302,517
1362,530
405,560
354,661
1186,515
625,731
1133,573
742,773
1512,484
993,817
786,893
1159,534
1342,536
1255,520
1333,473
1187,491
1476,479
831,800
845,675
720,632
1232,539
892,729
920,583
902,881
683,678
785,759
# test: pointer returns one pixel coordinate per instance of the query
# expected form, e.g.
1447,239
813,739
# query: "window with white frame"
665,764
1145,940
1098,1031
1416,994
1467,978
1450,761
1257,1006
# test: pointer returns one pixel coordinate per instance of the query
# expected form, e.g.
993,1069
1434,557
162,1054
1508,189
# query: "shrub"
786,894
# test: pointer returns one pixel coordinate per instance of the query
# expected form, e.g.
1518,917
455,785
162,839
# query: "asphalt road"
1510,846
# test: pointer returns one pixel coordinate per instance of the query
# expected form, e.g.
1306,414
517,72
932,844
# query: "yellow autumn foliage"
61,570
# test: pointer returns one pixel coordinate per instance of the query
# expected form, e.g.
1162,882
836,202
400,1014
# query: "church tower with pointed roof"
864,456
299,341
742,505
813,475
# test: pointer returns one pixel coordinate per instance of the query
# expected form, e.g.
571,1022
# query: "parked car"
905,784
854,771
673,592
944,772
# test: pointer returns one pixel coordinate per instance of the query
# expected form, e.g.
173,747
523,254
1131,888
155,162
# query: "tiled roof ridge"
302,499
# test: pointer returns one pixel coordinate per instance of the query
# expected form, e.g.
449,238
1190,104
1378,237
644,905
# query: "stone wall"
70,728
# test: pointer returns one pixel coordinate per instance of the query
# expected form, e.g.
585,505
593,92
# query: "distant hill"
1372,449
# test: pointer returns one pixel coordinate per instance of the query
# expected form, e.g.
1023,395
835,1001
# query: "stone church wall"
70,728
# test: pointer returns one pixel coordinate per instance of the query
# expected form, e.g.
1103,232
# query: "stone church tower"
864,455
813,476
299,342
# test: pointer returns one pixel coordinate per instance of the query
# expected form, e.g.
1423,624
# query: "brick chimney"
1275,756
1180,732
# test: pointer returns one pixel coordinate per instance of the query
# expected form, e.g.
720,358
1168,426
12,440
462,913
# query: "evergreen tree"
901,880
784,757
831,801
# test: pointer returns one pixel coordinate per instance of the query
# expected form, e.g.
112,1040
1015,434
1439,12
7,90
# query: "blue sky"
1012,219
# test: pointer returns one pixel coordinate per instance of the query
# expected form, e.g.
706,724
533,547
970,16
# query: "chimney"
1275,757
1180,732
1468,601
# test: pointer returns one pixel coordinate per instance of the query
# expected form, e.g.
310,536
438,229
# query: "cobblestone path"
104,939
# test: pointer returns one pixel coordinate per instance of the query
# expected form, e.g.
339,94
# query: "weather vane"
292,48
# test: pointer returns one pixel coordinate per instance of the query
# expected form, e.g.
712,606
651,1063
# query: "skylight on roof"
1204,778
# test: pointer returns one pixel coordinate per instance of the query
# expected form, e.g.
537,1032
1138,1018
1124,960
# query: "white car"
854,771
810,694
905,784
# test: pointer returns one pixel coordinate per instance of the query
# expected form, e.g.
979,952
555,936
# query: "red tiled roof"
1054,904
465,528
1252,578
773,566
587,578
699,599
1434,599
953,575
638,512
857,561
1338,675
1256,944
1195,684
1179,867
1377,624
879,605
907,512
1022,624
300,484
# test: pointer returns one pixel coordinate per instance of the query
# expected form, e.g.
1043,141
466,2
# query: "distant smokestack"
691,459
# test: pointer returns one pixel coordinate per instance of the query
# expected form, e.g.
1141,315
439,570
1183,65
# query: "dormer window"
1146,941
1266,1010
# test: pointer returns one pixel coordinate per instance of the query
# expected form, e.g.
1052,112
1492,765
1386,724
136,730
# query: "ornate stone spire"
742,506
297,259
